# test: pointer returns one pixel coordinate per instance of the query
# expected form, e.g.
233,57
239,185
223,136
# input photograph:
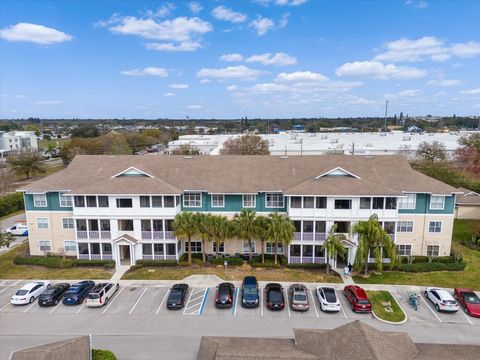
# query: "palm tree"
245,227
280,230
373,236
51,150
222,229
203,225
333,246
261,232
184,227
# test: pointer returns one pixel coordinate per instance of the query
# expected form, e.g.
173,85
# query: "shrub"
55,262
105,263
10,203
434,266
156,263
230,261
438,259
103,355
267,264
184,256
282,260
307,266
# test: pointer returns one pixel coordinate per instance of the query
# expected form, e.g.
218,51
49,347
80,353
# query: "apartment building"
13,141
123,207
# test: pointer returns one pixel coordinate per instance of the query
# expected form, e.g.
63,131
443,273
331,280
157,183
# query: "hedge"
282,260
307,266
84,262
267,264
10,203
156,263
184,256
433,266
58,262
437,259
103,355
230,261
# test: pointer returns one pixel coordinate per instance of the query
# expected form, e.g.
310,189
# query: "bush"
156,263
434,266
438,259
307,266
105,263
10,203
54,262
282,260
267,264
184,256
103,355
231,261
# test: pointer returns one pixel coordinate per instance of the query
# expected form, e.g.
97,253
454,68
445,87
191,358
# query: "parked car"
53,295
101,294
77,292
250,295
298,295
176,298
19,229
327,297
441,299
469,300
358,299
224,298
274,296
29,292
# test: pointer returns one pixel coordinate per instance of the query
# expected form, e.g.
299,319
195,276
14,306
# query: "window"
365,202
295,202
389,227
158,249
105,225
42,223
192,200
103,201
307,226
309,202
65,200
437,202
246,249
342,227
146,225
390,203
171,249
249,201
40,200
157,202
169,201
407,202
221,248
274,201
91,201
377,203
218,201
69,245
124,203
81,225
157,225
405,226
404,250
295,250
435,226
79,201
125,225
145,201
67,223
321,203
433,250
343,204
270,248
196,246
45,245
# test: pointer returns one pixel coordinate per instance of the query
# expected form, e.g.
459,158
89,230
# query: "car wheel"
353,307
437,307
321,306
32,299
117,287
56,302
106,301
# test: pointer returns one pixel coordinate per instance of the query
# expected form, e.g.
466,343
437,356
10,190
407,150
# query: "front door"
125,257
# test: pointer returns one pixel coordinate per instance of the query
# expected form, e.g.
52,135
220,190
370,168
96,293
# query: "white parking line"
3,307
138,300
164,298
314,305
81,307
433,312
466,316
260,295
187,302
55,307
3,290
115,298
234,312
29,307
288,305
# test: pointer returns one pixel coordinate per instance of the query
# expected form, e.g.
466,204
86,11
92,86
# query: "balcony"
157,235
160,257
82,234
93,234
309,236
306,260
169,235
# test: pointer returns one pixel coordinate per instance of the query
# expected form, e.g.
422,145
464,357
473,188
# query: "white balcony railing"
82,234
169,236
309,236
105,234
94,235
307,260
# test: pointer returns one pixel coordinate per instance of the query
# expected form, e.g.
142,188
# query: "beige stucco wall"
420,238
55,232
467,212
232,246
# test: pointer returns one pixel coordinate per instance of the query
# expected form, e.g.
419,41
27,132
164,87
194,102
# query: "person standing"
350,268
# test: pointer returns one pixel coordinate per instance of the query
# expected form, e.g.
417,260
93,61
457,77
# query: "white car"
101,294
328,299
19,229
29,292
441,299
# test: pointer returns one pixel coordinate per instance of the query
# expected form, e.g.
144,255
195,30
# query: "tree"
222,229
261,232
245,227
138,141
468,155
186,149
51,150
333,246
28,162
281,230
85,131
204,226
184,228
7,179
248,144
373,237
432,152
6,239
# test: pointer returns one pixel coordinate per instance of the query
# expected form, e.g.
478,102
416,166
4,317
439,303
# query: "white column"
101,250
78,251
153,252
163,229
165,251
89,250
301,251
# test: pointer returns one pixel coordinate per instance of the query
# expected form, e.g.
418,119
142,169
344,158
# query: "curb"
391,322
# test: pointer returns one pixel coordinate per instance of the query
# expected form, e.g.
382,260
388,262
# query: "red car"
358,299
469,300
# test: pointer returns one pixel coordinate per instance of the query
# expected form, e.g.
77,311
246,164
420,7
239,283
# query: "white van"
19,229
101,294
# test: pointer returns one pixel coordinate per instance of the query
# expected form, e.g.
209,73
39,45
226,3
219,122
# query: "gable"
338,171
132,171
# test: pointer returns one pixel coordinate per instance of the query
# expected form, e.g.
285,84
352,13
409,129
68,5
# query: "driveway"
8,222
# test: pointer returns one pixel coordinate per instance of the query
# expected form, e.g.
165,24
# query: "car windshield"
22,292
93,296
72,290
300,297
175,296
275,296
450,302
250,291
363,302
471,298
330,295
49,291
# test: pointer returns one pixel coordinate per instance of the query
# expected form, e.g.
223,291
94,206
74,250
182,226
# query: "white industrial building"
13,141
348,143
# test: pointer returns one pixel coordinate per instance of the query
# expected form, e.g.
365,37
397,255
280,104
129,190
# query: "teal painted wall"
53,203
423,206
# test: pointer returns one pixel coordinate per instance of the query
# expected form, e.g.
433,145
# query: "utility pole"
386,110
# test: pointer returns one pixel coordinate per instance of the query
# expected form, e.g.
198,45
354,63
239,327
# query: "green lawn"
462,229
377,298
8,270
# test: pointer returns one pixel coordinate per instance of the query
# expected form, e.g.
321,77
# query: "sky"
230,59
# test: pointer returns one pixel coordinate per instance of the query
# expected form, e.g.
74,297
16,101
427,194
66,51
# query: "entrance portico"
124,250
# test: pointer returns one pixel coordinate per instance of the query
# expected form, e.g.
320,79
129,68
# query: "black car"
53,294
250,297
224,298
275,299
77,292
176,298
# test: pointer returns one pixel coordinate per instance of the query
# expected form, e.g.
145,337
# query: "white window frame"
404,203
70,241
196,244
405,246
435,221
43,227
249,201
213,200
270,248
437,250
39,199
276,206
44,245
64,200
192,194
399,226
220,251
437,197
68,227
245,248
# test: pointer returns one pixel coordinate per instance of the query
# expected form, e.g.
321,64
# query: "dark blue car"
250,297
77,292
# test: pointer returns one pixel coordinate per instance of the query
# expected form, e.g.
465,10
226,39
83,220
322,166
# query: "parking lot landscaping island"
385,307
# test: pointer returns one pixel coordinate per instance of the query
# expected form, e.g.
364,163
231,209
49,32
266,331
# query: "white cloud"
148,71
223,13
169,94
262,25
183,46
240,72
279,59
231,57
205,81
283,20
281,2
471,92
377,70
195,106
360,101
421,4
17,96
466,50
37,34
195,7
162,11
301,76
232,87
47,102
178,86
444,82
268,88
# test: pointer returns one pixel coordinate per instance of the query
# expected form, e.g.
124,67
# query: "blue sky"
228,59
